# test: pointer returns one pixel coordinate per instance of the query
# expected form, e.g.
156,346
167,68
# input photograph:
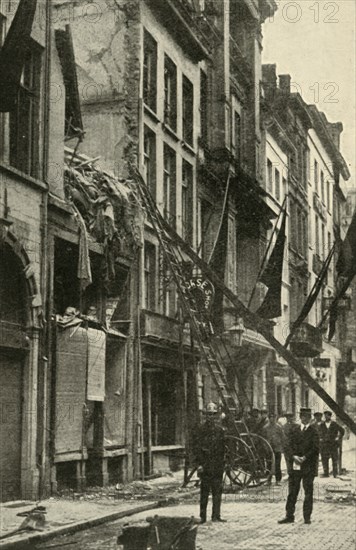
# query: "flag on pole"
13,53
346,264
312,296
272,277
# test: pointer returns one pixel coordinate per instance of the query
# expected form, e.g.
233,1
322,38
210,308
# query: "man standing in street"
304,446
209,453
331,434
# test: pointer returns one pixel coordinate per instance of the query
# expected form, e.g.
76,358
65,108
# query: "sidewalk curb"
26,543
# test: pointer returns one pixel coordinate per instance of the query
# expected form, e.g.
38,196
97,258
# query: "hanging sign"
202,293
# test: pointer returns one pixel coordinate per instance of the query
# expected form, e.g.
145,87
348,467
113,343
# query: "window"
150,71
169,186
269,176
170,93
167,294
188,118
277,184
322,184
203,106
150,276
24,120
187,202
316,175
236,135
323,243
328,194
149,159
317,241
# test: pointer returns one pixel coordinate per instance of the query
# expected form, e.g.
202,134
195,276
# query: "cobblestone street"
251,525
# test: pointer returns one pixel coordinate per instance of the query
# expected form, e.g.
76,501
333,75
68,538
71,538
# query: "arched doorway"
13,304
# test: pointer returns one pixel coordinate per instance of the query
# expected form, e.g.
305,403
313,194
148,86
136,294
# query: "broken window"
162,395
150,71
67,285
24,119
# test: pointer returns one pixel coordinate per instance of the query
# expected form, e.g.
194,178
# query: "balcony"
183,22
307,341
156,327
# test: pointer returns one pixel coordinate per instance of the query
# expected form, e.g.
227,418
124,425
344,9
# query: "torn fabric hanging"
272,277
84,267
13,54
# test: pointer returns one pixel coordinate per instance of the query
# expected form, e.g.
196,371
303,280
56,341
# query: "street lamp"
236,332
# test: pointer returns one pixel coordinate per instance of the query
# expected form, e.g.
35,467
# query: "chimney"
284,83
335,129
269,79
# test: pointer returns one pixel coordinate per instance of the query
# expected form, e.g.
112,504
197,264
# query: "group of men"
300,443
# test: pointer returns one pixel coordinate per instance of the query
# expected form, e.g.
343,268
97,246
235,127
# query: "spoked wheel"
264,462
240,464
249,462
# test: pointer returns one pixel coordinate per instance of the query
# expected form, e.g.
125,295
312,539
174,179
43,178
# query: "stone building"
315,179
346,382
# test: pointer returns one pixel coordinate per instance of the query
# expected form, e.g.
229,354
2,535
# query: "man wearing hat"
304,446
331,434
209,451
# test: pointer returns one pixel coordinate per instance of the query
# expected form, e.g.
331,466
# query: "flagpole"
221,217
301,315
263,263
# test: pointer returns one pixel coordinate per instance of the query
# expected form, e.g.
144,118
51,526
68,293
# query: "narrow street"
251,525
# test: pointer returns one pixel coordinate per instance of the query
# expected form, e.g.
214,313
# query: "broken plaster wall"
106,40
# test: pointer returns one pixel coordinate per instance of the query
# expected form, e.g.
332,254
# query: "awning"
73,116
13,54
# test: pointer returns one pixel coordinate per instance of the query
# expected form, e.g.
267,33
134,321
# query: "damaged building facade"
104,375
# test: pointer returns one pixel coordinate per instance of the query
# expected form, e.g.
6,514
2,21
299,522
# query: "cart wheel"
264,461
240,464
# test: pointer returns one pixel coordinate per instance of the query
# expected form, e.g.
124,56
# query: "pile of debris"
107,205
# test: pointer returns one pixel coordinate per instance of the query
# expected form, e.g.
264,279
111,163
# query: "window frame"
24,146
170,93
187,201
149,71
149,159
187,111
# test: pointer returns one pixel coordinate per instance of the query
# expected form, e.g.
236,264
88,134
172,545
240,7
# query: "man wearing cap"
304,446
331,434
209,451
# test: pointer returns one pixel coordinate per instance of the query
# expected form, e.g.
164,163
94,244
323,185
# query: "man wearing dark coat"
304,446
331,434
209,450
